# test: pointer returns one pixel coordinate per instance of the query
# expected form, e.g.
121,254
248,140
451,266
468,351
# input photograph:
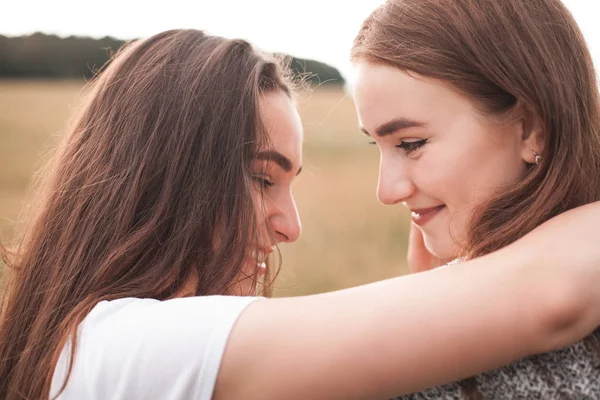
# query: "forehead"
382,93
282,121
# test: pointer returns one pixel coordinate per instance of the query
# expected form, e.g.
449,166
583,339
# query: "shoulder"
141,347
129,313
571,371
147,323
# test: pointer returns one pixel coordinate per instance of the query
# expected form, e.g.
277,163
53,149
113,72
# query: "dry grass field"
348,237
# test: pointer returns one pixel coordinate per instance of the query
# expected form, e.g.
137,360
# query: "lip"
421,216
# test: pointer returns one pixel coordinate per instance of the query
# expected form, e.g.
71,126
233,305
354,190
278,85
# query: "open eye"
411,146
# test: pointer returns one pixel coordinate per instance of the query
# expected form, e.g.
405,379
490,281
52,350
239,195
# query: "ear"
533,136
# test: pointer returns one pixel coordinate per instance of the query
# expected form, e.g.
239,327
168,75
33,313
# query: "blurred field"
348,237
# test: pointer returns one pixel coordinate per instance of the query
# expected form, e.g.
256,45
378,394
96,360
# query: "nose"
284,220
395,184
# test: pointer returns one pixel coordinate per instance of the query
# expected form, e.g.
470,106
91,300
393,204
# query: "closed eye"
264,182
410,147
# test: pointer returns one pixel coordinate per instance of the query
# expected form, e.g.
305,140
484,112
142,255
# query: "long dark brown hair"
156,164
505,55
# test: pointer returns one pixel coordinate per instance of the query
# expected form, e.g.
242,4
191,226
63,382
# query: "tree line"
49,56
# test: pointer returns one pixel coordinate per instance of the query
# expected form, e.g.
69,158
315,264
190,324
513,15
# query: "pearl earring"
538,158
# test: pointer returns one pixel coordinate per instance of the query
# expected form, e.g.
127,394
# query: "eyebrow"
277,158
394,126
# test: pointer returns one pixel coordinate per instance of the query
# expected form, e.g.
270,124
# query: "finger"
418,257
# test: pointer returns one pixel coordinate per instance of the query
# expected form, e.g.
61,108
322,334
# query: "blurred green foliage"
50,56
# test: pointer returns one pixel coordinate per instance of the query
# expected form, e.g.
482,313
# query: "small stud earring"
538,158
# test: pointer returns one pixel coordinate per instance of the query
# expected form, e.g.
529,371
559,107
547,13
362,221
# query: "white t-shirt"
131,348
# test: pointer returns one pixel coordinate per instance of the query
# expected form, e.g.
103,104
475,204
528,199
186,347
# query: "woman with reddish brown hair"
137,275
487,116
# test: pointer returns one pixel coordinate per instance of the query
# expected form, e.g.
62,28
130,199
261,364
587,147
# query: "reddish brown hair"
159,158
505,55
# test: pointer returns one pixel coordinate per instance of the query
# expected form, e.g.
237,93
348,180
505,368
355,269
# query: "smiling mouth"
424,215
258,259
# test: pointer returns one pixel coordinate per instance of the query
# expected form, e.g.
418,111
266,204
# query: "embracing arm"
405,334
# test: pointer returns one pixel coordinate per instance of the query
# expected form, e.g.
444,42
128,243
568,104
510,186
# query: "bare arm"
409,333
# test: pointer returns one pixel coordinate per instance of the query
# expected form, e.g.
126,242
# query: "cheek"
462,176
446,174
262,203
448,178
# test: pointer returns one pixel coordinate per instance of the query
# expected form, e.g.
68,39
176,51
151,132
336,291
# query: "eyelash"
264,182
409,147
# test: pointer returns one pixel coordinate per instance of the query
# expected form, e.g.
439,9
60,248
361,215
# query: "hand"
418,257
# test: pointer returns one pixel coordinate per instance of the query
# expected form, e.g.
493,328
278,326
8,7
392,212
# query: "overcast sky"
317,29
